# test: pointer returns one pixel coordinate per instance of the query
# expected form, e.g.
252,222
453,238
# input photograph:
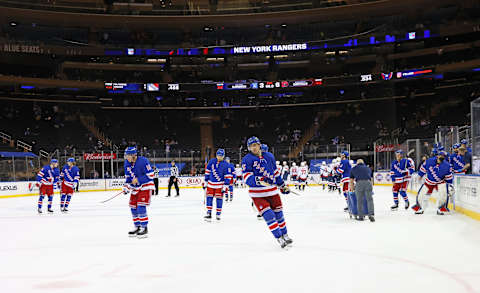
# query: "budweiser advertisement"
386,148
99,156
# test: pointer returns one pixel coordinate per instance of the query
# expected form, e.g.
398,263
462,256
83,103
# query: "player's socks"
209,203
136,220
62,201
269,217
50,201
404,195
40,202
281,222
142,216
219,206
395,198
67,202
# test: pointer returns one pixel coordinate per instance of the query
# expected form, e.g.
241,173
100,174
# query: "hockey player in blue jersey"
344,170
139,183
46,178
400,171
464,143
438,176
453,154
217,180
69,178
231,170
457,161
264,182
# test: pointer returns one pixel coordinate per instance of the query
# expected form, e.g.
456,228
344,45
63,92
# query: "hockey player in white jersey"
324,174
285,171
279,167
294,174
302,175
238,175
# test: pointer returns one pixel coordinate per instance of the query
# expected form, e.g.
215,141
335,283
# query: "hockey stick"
293,192
263,183
112,197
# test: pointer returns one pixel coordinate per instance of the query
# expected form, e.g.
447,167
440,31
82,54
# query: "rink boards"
28,188
467,189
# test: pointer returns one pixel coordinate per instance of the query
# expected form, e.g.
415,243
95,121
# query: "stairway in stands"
89,122
310,132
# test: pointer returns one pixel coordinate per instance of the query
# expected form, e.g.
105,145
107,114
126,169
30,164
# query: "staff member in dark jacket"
361,181
173,179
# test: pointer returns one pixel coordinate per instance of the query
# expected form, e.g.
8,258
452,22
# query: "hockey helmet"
220,153
130,151
252,140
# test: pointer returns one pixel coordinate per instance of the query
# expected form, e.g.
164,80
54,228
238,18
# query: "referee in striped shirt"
173,179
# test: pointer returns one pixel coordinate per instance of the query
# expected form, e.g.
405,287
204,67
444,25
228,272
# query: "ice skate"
133,233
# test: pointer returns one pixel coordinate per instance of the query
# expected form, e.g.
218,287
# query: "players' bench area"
466,199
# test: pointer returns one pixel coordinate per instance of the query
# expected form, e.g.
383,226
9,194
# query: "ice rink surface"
88,250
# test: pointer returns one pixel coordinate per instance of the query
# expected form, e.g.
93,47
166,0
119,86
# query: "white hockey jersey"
324,171
303,172
238,172
294,171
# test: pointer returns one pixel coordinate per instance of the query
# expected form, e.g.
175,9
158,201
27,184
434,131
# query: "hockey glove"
204,185
126,189
225,190
264,181
284,189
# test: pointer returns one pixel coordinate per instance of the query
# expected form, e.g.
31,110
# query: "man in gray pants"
361,181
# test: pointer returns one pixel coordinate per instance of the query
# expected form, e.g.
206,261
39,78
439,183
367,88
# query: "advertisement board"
467,189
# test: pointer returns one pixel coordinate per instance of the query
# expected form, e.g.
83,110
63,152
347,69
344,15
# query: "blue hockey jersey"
344,170
402,170
458,163
218,174
141,170
436,173
48,175
261,168
70,175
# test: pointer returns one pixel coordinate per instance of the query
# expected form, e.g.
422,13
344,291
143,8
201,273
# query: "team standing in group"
266,180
